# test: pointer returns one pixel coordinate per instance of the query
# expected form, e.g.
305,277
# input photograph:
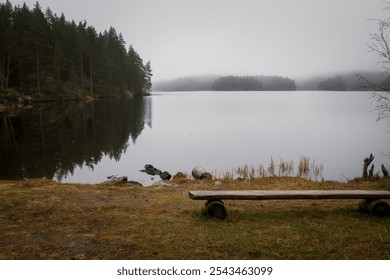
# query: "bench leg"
216,208
375,207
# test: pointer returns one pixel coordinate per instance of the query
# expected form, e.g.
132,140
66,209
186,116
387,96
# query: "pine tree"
41,39
6,36
148,77
136,78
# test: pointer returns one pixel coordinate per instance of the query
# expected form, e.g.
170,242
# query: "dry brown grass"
41,219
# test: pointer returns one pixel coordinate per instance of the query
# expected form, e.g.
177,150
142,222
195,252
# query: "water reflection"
51,141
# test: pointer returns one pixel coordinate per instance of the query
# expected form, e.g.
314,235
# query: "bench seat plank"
288,194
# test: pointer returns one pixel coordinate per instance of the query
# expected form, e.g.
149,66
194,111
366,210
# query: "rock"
151,170
161,184
165,176
88,98
11,96
27,99
135,183
217,183
200,173
179,175
114,179
3,108
332,182
128,93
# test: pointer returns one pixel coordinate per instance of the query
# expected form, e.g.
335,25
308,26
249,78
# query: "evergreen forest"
47,56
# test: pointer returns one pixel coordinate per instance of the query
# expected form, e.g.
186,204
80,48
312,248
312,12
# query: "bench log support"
216,208
375,207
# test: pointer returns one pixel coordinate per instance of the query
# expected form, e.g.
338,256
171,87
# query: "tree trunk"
41,126
20,79
8,69
5,132
90,76
110,75
82,70
2,79
38,78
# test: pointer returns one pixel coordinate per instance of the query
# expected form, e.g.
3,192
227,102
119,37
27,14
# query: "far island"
344,82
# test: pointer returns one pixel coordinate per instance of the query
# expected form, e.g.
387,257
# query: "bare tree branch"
380,46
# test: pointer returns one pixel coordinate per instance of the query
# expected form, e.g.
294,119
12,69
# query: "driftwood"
367,162
200,173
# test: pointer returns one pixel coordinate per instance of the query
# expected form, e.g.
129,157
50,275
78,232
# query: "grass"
42,219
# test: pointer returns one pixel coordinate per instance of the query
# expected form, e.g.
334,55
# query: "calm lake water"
177,131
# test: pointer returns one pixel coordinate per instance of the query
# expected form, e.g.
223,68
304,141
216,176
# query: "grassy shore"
42,219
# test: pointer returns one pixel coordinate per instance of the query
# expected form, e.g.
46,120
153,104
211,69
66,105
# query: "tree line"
227,83
333,84
43,53
232,83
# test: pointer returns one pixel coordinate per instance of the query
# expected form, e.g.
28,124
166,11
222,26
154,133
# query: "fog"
247,37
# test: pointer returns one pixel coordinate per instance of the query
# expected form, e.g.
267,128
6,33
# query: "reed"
317,170
304,167
261,171
271,168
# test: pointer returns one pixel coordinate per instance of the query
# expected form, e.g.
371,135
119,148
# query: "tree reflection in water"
52,140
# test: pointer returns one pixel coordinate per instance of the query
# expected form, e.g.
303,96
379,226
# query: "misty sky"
244,37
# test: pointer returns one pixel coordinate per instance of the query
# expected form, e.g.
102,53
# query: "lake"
176,131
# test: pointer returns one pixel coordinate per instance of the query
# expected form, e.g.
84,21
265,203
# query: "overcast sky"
237,37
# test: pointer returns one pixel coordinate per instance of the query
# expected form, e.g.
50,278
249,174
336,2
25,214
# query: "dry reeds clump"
307,168
304,166
246,172
286,167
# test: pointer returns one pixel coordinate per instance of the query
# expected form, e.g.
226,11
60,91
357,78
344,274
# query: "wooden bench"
369,200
